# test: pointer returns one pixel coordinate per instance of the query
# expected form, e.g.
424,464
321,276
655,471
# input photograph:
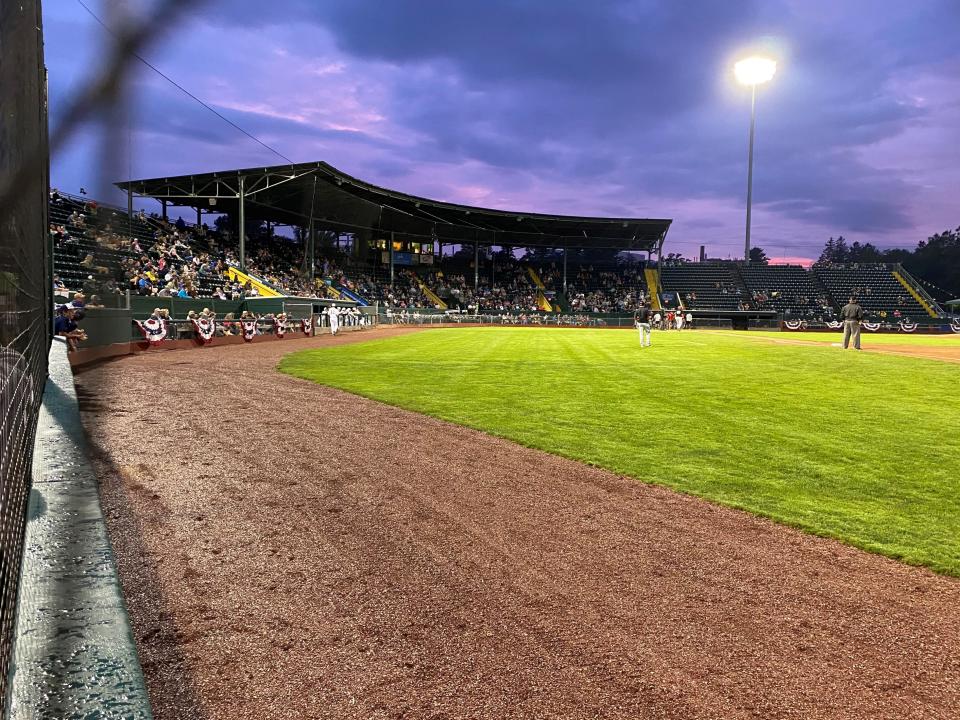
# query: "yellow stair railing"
431,296
536,278
237,275
543,303
653,286
330,290
916,296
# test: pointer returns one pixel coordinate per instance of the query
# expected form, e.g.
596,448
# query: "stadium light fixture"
753,71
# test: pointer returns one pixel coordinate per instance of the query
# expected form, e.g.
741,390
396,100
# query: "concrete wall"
74,655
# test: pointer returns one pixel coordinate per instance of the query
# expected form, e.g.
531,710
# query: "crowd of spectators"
174,259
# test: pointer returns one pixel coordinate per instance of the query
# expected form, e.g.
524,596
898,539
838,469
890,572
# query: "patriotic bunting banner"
794,324
154,329
834,324
908,327
307,325
249,329
872,327
955,326
279,326
204,328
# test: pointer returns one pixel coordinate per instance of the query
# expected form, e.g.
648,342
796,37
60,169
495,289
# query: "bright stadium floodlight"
753,71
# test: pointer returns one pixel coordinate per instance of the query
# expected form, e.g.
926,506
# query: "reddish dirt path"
944,353
292,551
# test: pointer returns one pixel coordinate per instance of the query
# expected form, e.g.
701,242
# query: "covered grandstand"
319,197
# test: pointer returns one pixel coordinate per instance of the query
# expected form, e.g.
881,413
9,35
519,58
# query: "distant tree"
835,251
759,255
935,261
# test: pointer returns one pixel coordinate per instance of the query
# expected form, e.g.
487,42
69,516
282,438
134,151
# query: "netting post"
391,258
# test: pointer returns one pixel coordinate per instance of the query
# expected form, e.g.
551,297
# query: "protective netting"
25,288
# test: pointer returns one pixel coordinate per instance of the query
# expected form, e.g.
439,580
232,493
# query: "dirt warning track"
293,551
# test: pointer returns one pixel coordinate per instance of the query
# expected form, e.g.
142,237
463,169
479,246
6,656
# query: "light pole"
752,71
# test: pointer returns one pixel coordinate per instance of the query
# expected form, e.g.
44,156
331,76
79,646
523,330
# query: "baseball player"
641,319
334,316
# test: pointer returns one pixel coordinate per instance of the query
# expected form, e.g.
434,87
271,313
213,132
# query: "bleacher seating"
874,285
706,285
94,253
789,289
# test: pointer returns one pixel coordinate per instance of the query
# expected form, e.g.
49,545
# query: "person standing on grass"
334,316
852,316
641,320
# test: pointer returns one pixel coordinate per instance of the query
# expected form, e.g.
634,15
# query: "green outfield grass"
862,447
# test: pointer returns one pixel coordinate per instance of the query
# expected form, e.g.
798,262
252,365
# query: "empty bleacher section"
878,290
789,289
701,286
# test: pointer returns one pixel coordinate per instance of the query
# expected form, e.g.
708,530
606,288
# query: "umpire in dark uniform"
852,315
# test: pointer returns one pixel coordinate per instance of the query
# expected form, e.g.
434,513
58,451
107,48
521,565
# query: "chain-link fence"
25,286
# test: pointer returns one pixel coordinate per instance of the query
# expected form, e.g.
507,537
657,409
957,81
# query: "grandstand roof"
292,194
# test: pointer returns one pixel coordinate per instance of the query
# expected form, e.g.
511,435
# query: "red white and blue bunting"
834,324
907,326
205,328
154,329
279,326
872,327
955,326
307,325
249,329
795,324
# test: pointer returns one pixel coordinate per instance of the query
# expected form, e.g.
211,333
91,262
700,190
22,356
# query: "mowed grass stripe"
858,446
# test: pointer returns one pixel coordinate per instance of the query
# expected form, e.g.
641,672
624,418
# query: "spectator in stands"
65,325
852,316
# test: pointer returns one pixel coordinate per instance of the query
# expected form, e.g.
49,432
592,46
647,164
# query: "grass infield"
862,447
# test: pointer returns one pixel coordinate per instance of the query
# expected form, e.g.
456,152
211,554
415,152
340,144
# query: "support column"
312,252
199,217
243,224
476,266
163,210
564,271
129,212
391,259
493,267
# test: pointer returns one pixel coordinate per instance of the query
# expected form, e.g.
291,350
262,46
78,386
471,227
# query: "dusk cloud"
620,108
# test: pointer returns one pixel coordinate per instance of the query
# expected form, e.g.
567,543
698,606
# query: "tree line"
935,261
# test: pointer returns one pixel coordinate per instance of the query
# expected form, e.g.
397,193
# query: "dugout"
397,227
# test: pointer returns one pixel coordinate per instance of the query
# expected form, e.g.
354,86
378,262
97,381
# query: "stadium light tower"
753,71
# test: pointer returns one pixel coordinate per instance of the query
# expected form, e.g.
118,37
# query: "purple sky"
593,108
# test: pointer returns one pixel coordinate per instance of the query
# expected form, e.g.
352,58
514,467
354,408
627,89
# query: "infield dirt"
292,551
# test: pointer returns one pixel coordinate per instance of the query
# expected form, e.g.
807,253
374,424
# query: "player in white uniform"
641,320
334,316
